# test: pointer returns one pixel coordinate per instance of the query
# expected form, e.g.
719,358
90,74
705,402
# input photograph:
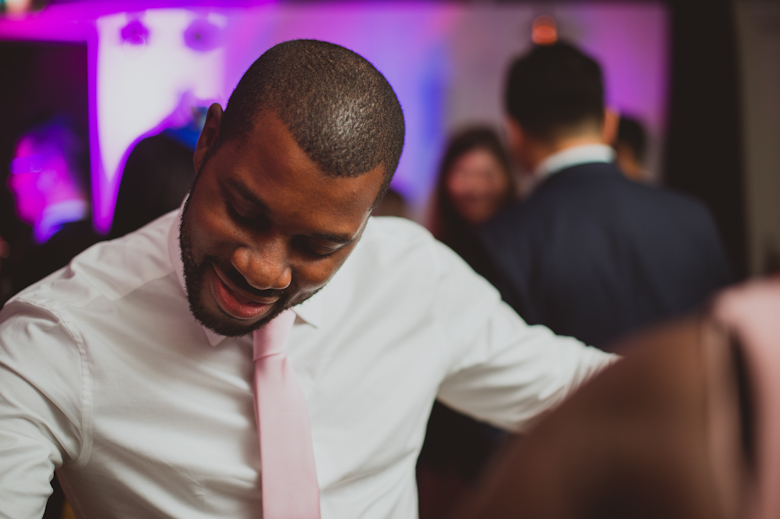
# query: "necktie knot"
271,339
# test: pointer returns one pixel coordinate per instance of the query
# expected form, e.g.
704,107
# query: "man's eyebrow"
247,195
341,239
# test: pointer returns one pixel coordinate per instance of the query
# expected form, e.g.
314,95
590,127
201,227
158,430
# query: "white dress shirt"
107,377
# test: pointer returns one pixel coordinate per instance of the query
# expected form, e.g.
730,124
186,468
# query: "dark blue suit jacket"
594,255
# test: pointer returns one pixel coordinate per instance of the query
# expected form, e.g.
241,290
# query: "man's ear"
208,136
610,128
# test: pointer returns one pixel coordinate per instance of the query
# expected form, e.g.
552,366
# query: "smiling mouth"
235,302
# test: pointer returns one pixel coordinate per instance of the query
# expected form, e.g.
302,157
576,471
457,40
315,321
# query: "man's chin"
223,324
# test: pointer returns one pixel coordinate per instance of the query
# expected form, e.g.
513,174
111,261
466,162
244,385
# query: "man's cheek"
309,281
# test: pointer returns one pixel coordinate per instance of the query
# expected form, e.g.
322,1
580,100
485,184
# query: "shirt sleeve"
500,369
41,388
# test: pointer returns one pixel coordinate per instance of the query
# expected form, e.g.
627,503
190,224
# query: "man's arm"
40,406
500,369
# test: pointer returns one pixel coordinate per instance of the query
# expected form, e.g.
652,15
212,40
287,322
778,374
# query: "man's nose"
264,265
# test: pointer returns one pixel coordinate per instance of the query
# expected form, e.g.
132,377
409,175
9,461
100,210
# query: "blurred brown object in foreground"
67,512
686,426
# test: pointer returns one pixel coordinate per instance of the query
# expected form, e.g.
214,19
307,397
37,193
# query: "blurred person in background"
475,182
50,182
630,148
159,171
589,253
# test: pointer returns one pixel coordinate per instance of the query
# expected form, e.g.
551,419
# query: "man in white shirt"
147,412
589,254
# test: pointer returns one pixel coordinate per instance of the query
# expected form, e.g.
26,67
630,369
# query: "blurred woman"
475,182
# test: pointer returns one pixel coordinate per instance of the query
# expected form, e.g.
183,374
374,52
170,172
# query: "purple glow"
140,87
135,33
44,173
446,63
203,35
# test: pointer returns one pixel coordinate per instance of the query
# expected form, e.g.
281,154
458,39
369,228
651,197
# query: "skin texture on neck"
530,151
536,151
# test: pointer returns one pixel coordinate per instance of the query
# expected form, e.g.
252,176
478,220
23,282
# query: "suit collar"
574,156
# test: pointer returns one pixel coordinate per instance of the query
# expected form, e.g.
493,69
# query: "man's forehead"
281,157
338,204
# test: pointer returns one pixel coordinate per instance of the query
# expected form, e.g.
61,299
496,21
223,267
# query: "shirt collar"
585,154
310,311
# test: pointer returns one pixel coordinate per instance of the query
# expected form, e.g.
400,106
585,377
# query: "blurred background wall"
703,76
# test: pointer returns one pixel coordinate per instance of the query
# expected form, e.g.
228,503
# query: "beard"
195,282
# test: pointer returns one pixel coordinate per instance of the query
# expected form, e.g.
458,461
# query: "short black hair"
632,134
553,88
339,109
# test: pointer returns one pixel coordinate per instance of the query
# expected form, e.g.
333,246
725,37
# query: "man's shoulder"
110,269
594,196
676,200
393,233
664,206
553,196
396,248
601,186
606,178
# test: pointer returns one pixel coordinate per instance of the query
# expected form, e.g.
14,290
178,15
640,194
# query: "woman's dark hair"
447,225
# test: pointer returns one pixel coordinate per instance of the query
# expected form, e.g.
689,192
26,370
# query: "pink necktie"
290,489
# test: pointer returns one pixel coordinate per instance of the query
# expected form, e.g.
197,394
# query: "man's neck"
537,152
570,156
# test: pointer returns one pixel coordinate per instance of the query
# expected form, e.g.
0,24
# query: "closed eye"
309,248
244,217
237,216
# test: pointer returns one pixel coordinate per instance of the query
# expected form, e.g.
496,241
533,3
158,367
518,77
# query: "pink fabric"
753,313
290,489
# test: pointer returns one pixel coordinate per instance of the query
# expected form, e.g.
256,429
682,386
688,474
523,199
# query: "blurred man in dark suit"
590,253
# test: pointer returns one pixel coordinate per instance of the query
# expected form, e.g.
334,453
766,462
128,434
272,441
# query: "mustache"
238,280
